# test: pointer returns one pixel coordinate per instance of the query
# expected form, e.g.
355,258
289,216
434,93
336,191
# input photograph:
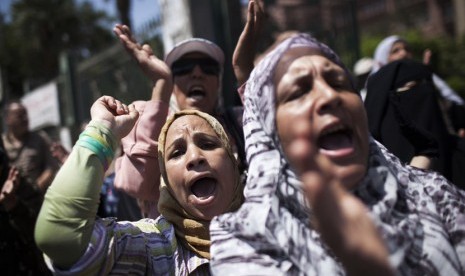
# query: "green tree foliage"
40,30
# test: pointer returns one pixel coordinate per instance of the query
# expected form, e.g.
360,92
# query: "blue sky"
141,10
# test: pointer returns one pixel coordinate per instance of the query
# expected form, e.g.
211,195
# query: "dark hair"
7,105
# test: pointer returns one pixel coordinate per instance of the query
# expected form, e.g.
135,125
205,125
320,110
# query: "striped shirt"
145,247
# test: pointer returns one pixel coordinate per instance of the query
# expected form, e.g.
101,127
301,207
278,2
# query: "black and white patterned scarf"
419,214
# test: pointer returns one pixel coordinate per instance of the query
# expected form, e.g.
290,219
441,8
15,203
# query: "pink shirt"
137,170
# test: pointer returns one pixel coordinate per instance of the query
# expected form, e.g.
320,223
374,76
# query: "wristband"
97,144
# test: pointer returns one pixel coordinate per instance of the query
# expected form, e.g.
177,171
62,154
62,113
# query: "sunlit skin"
399,50
196,79
196,162
312,89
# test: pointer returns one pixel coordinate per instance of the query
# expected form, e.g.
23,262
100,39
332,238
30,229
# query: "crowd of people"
307,177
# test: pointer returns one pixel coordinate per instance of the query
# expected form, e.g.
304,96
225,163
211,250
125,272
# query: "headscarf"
271,235
419,104
191,231
383,50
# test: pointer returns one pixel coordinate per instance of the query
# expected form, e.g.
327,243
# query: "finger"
15,178
119,107
325,198
129,44
147,49
108,101
132,111
125,109
250,15
12,173
259,14
302,151
127,31
117,31
427,56
8,187
260,5
299,151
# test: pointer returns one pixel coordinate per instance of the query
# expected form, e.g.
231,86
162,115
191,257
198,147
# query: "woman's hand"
340,217
118,117
156,69
244,53
7,195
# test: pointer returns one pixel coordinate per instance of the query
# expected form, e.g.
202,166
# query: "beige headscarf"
191,231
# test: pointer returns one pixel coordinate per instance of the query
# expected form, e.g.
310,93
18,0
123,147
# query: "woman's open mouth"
204,189
336,141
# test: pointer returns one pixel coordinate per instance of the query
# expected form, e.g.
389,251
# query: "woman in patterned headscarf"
201,180
304,120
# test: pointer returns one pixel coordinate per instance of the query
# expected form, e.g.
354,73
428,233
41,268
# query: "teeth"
333,129
197,87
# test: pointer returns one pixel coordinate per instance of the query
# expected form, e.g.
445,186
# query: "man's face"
16,118
196,82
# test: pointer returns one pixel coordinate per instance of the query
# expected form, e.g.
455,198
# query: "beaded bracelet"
97,144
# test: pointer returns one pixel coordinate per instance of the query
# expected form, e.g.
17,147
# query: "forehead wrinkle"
186,126
288,58
314,66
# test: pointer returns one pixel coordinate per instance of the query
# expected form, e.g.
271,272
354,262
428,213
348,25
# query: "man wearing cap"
191,73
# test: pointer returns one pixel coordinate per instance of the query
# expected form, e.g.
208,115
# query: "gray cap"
195,45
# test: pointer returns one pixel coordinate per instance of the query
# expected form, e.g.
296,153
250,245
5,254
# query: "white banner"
43,106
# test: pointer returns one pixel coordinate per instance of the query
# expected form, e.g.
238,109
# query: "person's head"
16,118
390,49
197,66
198,165
304,80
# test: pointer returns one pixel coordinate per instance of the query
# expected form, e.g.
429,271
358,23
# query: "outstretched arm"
341,218
244,53
137,169
8,192
67,216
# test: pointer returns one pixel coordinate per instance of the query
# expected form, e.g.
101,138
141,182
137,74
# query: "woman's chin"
352,175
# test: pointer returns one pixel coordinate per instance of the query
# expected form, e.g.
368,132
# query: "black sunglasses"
186,65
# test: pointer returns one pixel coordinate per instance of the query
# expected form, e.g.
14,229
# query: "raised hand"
341,218
427,53
59,152
7,195
154,68
244,53
115,115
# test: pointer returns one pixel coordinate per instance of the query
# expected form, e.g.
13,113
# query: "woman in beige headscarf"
201,180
